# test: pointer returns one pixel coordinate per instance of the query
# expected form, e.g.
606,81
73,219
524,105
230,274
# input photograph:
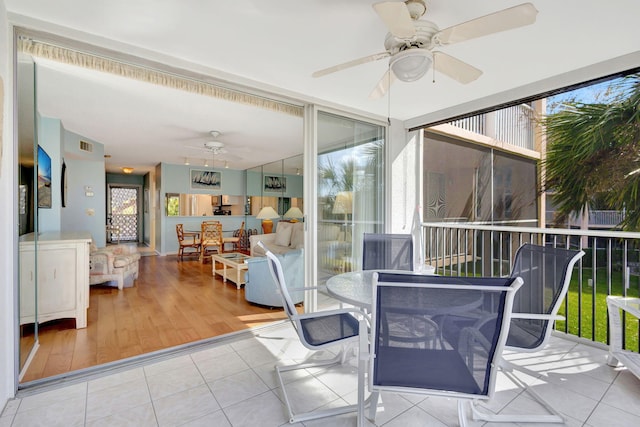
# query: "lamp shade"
294,212
411,64
343,203
267,213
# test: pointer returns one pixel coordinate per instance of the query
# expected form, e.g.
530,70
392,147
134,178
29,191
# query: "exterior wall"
404,183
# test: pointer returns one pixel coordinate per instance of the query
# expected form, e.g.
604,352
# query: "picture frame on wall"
44,179
63,184
275,184
206,179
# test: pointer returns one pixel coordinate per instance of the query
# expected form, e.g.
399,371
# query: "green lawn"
581,301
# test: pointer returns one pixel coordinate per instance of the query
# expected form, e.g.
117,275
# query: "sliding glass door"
350,190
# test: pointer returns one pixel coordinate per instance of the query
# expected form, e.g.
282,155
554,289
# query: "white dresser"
62,277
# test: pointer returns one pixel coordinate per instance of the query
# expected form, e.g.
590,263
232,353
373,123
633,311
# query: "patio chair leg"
373,405
553,416
462,411
339,358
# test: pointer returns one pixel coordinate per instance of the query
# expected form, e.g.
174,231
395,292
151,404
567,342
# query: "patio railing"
609,267
513,125
597,219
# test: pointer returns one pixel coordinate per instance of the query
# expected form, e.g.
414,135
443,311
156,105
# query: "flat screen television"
44,179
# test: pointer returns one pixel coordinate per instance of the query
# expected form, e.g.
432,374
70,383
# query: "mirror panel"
27,211
187,204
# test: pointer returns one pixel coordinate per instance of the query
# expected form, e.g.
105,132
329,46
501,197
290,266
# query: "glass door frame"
310,191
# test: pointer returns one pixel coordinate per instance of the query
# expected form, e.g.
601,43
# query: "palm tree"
593,153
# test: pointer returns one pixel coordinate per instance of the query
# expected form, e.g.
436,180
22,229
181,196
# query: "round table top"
356,288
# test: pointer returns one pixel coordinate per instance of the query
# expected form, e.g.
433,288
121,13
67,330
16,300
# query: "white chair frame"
464,400
346,345
508,368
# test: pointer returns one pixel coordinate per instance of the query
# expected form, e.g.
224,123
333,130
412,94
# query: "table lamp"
293,214
343,203
266,214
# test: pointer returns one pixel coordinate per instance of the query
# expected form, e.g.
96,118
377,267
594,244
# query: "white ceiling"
275,46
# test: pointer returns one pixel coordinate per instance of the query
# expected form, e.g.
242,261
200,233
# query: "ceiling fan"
214,146
410,43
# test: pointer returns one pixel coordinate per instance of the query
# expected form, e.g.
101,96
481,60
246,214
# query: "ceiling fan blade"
383,85
455,68
396,17
349,64
507,19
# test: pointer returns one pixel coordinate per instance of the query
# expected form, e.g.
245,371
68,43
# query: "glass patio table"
356,288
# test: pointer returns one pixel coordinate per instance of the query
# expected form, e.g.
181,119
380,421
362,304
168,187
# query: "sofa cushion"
283,233
297,235
123,260
276,249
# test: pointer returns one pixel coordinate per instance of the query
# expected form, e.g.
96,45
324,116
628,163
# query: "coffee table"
234,267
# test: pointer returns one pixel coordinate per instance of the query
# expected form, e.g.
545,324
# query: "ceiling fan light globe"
410,65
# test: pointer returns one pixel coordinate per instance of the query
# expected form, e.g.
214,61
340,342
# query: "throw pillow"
297,235
283,234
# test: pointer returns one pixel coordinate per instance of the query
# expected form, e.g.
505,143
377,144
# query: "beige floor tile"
186,406
262,410
140,416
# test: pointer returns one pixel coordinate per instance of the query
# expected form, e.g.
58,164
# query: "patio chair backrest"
463,367
387,252
546,272
275,267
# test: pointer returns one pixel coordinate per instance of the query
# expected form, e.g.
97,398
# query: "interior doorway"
123,214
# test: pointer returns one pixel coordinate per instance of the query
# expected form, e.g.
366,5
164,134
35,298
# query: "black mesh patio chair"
546,273
464,368
387,252
316,331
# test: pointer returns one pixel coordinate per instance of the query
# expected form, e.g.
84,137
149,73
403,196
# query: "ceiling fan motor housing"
215,146
425,30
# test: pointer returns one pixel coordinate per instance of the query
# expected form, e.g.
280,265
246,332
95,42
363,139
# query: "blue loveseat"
260,287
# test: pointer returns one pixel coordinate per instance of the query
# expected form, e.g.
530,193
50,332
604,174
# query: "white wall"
83,212
8,221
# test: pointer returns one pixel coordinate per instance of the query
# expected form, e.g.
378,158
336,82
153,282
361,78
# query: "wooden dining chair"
189,245
210,238
235,240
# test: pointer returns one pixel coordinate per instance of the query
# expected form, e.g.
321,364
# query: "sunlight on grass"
581,300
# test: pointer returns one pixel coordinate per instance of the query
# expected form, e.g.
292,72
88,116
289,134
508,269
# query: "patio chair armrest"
304,288
535,316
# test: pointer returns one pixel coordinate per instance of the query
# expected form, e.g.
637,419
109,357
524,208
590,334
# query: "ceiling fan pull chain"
433,69
389,98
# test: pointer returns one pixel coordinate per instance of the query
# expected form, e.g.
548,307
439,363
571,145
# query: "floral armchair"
113,264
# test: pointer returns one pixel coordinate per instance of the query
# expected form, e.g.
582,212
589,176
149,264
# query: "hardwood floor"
172,302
